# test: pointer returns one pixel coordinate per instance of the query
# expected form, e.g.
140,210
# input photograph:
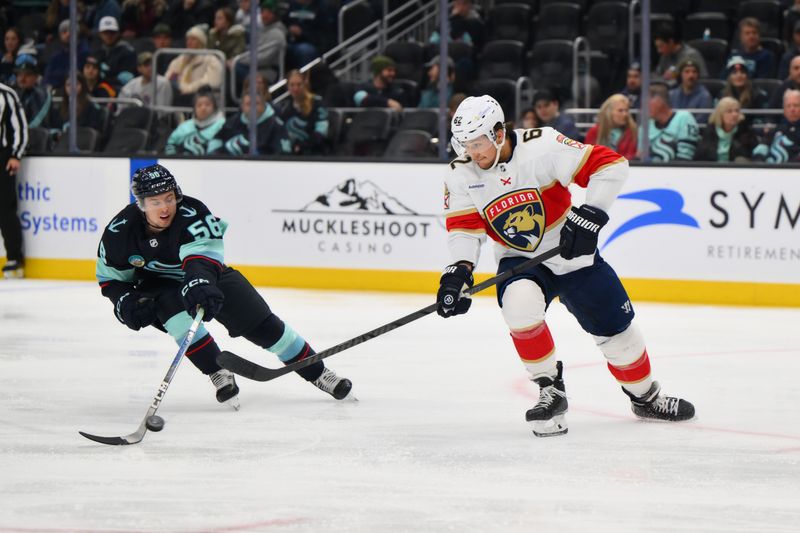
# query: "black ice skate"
227,390
547,416
13,269
654,406
337,387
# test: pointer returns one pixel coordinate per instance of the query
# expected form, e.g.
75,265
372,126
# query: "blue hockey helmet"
153,180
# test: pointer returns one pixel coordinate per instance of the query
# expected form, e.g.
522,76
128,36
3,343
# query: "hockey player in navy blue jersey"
162,256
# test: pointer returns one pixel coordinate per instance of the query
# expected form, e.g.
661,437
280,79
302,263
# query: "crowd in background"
119,40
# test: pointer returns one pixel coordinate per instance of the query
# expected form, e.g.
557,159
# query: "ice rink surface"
437,441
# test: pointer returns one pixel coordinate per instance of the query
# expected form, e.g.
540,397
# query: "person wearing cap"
689,94
792,82
633,84
271,45
782,145
162,38
760,61
141,87
13,142
379,92
12,41
740,86
97,87
430,94
673,134
548,108
305,116
672,51
792,51
189,72
58,65
116,57
35,99
727,137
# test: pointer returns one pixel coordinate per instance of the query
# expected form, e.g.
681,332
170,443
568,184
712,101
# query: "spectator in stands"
430,94
672,51
271,44
529,119
380,92
309,23
96,86
791,18
548,108
141,87
186,14
790,83
162,38
139,16
271,135
615,128
690,94
189,72
199,134
57,12
103,8
466,25
89,114
243,16
760,61
35,99
226,36
791,52
783,144
12,41
305,117
740,87
116,57
58,65
673,134
633,84
728,137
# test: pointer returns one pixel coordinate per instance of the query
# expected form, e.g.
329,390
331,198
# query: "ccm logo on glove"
192,284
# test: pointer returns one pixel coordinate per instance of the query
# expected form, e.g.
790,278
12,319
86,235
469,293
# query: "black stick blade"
245,368
112,441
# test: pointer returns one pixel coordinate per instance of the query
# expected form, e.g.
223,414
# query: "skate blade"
233,402
14,274
550,428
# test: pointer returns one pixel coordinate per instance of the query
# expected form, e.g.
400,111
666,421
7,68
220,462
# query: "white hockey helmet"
476,116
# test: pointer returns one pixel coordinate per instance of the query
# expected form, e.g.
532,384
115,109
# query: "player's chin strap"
499,148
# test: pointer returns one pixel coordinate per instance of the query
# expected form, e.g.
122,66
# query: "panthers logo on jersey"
518,219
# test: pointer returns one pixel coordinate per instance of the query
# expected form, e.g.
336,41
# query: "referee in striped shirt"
13,141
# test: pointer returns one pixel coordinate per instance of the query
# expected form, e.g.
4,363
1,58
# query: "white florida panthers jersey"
522,203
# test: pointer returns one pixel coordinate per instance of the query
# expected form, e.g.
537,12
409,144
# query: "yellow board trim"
653,290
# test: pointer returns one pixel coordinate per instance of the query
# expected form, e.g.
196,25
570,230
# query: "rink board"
677,234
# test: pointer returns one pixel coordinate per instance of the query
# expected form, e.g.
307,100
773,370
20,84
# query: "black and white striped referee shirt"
13,125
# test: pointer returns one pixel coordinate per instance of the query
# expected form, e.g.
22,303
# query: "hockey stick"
250,370
138,435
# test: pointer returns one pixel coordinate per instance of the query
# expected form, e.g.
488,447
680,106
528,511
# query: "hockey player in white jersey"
511,185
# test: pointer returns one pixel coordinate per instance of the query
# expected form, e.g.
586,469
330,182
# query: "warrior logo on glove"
518,219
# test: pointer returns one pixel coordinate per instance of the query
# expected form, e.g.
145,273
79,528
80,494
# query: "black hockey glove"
136,310
455,279
579,234
202,292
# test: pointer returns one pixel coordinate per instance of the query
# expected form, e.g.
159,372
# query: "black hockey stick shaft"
248,369
138,435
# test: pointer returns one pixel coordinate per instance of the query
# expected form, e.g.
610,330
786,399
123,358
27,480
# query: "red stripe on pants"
633,373
533,344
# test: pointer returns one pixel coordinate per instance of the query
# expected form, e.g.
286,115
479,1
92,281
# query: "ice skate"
227,390
337,387
547,416
654,406
13,269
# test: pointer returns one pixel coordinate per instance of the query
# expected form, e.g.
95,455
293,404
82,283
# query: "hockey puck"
155,423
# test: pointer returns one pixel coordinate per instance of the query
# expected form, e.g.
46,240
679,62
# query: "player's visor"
476,145
156,203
